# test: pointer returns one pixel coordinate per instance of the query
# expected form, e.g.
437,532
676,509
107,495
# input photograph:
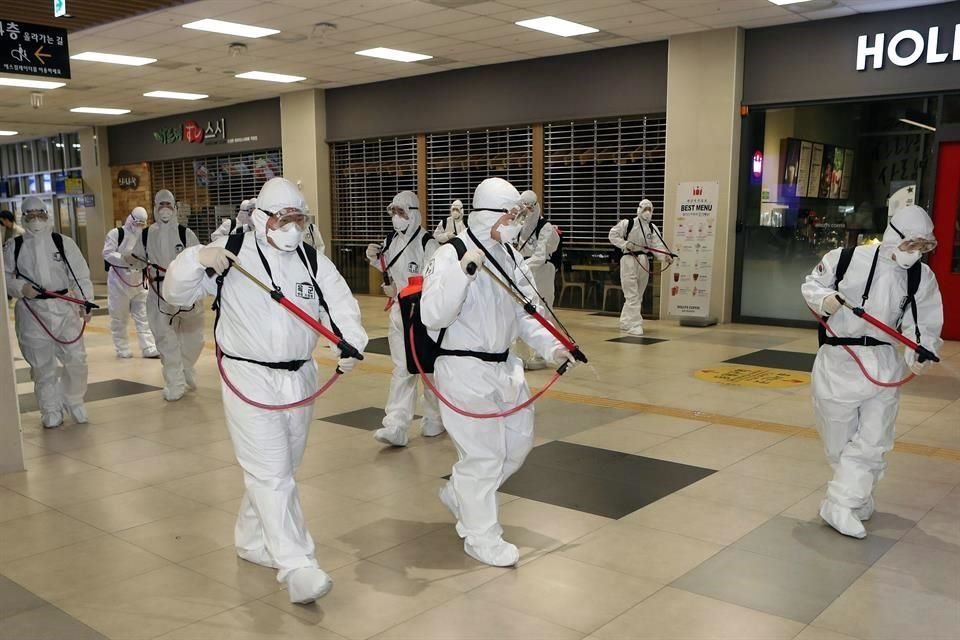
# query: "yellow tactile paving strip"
673,412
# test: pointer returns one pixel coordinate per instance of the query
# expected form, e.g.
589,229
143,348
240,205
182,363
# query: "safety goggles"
397,210
29,216
922,245
287,216
517,213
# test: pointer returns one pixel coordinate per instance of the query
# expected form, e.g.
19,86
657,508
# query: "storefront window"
26,157
821,177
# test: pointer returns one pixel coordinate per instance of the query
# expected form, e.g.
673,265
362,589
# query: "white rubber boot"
393,436
307,585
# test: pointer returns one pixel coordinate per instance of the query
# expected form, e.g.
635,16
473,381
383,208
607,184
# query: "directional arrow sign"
34,50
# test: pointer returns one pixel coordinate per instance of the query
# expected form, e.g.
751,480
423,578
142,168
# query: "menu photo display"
815,170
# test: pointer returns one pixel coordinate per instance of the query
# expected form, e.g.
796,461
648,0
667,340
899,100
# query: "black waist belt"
862,341
639,253
158,278
479,355
44,296
290,365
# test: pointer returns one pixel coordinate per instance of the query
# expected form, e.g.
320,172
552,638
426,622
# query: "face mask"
286,238
36,226
456,214
400,224
646,215
165,214
905,259
509,233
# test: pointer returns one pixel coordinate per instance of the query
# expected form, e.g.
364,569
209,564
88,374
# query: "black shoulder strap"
914,273
846,255
233,225
630,222
308,256
459,245
58,243
234,243
119,236
182,230
427,237
17,245
402,251
311,253
143,239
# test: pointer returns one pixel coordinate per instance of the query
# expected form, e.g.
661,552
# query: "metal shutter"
460,160
366,176
214,186
597,171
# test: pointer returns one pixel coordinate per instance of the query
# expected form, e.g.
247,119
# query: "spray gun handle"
472,268
925,354
347,350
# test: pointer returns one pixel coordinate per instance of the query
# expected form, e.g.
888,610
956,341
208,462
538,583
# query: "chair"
607,288
576,286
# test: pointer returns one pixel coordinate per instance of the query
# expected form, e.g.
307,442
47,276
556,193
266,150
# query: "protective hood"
908,223
410,203
165,195
37,228
645,210
246,205
137,217
456,210
492,198
529,199
276,195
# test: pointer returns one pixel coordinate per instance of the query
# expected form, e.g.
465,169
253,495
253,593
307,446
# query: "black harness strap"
290,365
873,270
386,245
58,244
496,264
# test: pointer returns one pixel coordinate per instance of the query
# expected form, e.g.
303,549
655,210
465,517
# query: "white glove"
373,252
561,356
346,365
668,260
916,367
86,315
472,257
132,262
216,258
831,304
29,292
443,237
389,290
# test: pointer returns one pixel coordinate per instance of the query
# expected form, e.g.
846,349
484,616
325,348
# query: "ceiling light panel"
104,111
783,3
269,77
230,28
396,55
29,84
556,26
8,133
113,58
175,95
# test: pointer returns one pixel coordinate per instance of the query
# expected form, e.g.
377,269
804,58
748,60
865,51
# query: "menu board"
815,170
696,224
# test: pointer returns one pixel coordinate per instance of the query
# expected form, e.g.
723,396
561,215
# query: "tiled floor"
654,505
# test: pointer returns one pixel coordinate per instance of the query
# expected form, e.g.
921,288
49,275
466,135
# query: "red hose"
273,407
124,281
469,414
856,359
83,328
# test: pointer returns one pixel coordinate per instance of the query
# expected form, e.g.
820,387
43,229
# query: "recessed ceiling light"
8,133
781,3
175,95
269,77
30,84
113,58
230,28
393,54
107,111
557,26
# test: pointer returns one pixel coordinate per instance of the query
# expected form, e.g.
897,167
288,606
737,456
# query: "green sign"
59,8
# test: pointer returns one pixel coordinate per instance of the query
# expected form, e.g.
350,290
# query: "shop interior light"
781,3
105,111
30,84
113,58
393,54
230,28
8,133
557,26
175,95
269,77
916,123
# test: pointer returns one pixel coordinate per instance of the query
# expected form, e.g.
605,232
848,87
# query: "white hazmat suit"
314,238
855,417
407,251
59,371
633,237
269,445
178,330
126,287
452,226
538,247
480,316
238,225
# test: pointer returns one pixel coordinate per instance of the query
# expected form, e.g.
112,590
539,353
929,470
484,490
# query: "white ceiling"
474,33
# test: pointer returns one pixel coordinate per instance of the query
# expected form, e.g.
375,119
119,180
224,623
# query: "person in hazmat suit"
239,224
127,288
267,356
452,226
539,244
403,254
634,237
178,331
49,329
480,321
855,416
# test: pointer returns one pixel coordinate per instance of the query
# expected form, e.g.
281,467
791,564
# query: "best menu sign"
34,50
691,278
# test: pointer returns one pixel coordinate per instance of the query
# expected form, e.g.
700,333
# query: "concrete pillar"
306,156
704,91
95,165
11,442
